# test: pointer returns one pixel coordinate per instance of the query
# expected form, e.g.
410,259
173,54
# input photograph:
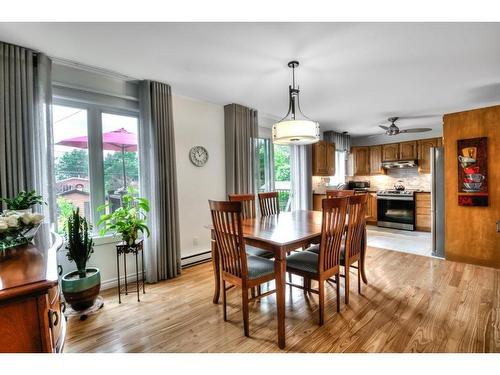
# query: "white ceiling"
352,75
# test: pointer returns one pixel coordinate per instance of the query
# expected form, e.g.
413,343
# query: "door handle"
53,318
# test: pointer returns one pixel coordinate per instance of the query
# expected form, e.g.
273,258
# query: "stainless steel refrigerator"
437,201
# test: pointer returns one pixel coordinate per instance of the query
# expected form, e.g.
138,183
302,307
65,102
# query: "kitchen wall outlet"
195,241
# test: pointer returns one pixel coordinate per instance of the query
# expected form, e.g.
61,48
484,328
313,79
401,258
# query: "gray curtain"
241,131
159,181
342,141
301,177
26,124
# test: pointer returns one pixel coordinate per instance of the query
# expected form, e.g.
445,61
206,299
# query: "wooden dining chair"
238,268
248,212
356,227
269,203
339,193
326,263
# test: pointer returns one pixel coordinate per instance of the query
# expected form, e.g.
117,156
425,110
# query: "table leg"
216,268
280,269
137,274
362,259
118,271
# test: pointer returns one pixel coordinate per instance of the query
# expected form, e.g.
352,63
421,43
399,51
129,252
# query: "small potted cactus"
80,287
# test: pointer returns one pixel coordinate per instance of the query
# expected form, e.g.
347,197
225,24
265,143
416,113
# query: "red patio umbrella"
116,140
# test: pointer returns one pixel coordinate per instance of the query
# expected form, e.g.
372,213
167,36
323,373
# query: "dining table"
280,234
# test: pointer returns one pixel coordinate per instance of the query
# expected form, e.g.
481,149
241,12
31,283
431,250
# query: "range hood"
399,164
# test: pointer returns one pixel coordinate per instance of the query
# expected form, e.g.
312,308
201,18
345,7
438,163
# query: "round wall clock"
198,156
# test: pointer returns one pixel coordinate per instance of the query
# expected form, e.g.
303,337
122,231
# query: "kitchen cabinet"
424,156
323,158
390,152
408,150
423,212
361,160
317,198
371,209
376,160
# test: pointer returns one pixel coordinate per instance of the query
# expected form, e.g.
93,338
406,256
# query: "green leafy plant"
128,220
78,241
23,200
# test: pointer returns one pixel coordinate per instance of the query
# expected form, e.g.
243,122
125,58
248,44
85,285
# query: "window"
71,162
82,133
340,168
264,164
282,182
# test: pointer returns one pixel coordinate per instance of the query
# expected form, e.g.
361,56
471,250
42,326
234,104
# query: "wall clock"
198,155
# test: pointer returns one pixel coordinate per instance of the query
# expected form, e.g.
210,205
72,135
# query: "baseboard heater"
195,259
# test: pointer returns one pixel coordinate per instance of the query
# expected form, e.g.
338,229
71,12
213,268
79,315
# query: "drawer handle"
53,318
63,307
59,269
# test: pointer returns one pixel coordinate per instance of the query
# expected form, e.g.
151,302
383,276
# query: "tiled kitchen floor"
413,242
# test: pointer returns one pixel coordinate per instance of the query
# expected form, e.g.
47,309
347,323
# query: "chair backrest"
339,193
332,229
226,219
269,203
356,225
247,204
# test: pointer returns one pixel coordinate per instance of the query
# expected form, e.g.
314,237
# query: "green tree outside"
74,163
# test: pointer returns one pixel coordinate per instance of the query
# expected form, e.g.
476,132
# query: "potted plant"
23,201
129,220
80,287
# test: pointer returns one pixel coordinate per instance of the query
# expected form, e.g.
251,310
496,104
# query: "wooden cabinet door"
319,159
424,157
376,160
371,214
390,152
408,150
361,156
330,158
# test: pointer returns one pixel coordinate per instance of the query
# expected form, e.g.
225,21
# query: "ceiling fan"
394,130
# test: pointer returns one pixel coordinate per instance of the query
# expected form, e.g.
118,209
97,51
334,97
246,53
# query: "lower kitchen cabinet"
423,212
371,209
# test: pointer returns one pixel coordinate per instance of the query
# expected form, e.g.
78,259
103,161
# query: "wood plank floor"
411,304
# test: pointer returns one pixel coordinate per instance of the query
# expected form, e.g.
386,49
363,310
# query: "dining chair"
326,263
356,227
238,268
339,193
269,203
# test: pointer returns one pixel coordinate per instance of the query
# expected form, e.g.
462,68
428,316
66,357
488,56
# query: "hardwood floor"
411,304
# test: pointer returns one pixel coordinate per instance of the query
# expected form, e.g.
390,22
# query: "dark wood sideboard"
31,319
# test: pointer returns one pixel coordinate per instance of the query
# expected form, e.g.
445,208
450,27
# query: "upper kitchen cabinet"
361,160
424,155
376,160
408,150
323,158
390,152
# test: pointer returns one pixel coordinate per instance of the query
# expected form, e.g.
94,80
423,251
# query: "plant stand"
123,249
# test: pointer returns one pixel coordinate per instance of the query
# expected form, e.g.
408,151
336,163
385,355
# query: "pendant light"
295,128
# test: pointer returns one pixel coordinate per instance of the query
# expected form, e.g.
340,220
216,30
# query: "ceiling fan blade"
376,135
384,127
415,130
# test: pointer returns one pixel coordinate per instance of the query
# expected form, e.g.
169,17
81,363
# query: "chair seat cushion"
255,251
304,261
315,249
258,267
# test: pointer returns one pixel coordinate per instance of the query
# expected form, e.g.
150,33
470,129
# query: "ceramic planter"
81,293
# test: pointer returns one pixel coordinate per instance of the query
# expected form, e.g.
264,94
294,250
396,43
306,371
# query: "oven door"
396,212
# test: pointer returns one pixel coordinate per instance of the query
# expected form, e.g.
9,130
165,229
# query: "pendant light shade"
295,128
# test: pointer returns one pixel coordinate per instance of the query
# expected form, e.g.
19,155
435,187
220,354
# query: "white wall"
198,123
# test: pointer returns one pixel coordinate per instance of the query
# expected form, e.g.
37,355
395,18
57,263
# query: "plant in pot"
80,287
23,201
127,221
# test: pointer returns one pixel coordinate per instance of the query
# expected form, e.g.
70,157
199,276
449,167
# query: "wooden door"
361,156
408,150
376,160
330,158
390,152
319,159
424,157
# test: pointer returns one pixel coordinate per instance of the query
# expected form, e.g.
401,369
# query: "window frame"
95,150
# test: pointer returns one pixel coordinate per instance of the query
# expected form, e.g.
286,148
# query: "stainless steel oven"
396,209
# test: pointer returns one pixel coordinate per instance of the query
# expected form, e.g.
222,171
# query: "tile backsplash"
410,177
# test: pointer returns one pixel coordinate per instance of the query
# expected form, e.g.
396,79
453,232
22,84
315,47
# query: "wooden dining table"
280,234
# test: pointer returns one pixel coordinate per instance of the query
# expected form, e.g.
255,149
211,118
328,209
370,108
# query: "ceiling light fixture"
295,128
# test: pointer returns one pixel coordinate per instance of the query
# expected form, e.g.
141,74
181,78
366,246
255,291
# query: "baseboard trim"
191,260
113,283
